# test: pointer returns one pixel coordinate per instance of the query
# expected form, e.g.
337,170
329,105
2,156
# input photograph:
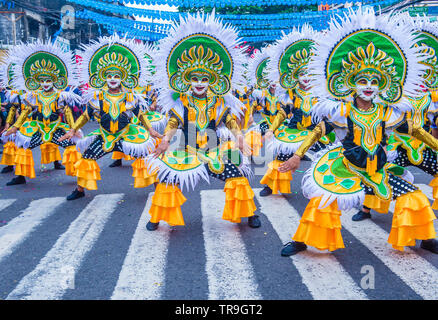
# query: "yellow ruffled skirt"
276,180
49,153
69,158
9,152
412,220
377,204
434,185
88,172
239,200
166,205
117,155
24,164
142,177
320,228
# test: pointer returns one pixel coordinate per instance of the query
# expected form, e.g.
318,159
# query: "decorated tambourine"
333,177
287,140
136,140
187,167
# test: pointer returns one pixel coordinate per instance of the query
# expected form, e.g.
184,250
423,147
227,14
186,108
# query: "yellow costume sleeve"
82,120
278,120
68,114
171,127
11,114
317,133
23,117
422,135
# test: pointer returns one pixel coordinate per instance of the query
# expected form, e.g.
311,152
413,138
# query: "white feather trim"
21,141
84,143
5,139
183,178
136,150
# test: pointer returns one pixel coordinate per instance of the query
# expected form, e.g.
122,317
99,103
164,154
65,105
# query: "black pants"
428,165
37,140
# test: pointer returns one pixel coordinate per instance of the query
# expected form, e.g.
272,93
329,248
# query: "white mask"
304,80
199,85
113,81
272,89
46,85
368,91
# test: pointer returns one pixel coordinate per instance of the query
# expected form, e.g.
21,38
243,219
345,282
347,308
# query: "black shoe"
361,215
152,226
76,194
254,222
117,163
58,166
7,169
17,180
430,245
266,192
292,248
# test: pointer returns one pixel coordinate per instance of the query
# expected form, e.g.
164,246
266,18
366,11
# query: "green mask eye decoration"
200,53
45,65
366,52
114,58
293,61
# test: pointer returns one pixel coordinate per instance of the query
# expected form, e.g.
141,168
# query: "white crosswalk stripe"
142,274
6,203
56,271
323,275
415,271
18,229
230,274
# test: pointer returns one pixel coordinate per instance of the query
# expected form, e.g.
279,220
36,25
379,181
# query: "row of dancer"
345,91
195,94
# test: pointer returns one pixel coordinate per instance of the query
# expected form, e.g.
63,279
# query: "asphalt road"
97,247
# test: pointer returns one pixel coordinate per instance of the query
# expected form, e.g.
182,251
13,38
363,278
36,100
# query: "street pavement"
97,247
